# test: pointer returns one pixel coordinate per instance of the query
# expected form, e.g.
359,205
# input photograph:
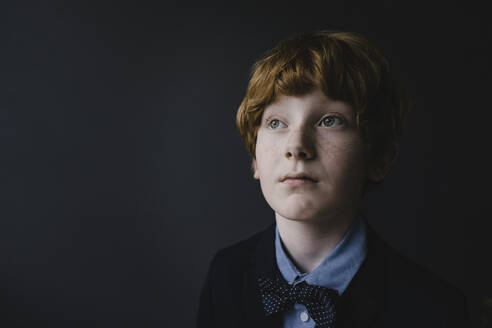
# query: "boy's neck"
307,243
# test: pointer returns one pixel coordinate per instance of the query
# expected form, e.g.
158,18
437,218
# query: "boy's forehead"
314,100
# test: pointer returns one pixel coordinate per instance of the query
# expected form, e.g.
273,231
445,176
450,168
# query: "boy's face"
310,158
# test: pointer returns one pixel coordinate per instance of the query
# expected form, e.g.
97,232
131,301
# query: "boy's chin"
299,214
308,212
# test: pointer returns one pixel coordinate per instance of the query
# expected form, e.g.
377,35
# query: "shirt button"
304,316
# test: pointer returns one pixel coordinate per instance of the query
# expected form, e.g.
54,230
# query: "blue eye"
331,121
274,124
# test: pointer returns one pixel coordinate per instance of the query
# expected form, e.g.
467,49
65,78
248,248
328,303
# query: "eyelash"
342,121
335,117
270,121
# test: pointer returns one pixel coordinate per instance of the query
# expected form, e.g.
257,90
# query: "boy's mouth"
298,178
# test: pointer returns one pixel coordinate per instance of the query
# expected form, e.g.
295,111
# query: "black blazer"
389,290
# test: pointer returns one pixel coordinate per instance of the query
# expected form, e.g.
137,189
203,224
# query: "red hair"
346,67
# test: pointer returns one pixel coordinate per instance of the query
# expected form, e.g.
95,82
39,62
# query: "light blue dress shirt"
335,271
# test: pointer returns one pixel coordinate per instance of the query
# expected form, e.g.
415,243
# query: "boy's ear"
379,170
255,171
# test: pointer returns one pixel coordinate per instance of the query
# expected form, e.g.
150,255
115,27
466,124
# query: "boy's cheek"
256,175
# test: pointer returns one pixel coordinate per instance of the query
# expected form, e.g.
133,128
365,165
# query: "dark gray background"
122,171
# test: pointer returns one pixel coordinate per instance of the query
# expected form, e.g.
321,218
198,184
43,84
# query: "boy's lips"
297,178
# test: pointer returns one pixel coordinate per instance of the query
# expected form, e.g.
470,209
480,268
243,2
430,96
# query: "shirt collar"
337,269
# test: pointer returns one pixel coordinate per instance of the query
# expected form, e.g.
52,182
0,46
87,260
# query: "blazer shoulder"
401,270
240,254
407,271
406,279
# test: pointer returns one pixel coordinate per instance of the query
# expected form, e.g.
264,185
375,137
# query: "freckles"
266,153
342,156
268,146
341,144
330,150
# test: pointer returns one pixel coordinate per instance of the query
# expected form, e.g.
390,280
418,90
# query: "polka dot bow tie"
277,295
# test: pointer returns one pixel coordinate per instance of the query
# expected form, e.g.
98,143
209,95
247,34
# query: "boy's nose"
299,146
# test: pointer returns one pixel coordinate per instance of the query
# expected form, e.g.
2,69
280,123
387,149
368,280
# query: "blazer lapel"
363,302
262,263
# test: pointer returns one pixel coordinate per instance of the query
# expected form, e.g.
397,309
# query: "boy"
320,119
